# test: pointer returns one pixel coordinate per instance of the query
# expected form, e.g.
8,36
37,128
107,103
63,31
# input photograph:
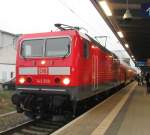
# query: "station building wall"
7,56
7,72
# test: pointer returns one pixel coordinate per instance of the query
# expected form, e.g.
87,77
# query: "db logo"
43,70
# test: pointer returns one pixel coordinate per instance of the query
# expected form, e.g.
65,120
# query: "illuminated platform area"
125,113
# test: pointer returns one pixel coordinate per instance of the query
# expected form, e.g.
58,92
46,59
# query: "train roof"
101,47
64,27
68,32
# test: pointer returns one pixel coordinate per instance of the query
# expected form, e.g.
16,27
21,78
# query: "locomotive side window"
32,48
57,47
86,49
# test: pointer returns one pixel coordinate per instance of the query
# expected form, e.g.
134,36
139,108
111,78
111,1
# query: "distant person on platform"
138,79
142,79
147,79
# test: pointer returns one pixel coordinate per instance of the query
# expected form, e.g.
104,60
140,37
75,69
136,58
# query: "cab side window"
86,49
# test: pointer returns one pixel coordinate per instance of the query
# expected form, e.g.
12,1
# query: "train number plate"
43,81
43,70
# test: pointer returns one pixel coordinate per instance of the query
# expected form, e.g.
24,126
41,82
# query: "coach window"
86,49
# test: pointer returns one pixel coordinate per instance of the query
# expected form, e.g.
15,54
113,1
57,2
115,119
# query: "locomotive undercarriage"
34,105
47,103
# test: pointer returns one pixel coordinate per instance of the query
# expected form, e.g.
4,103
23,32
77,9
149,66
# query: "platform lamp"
127,15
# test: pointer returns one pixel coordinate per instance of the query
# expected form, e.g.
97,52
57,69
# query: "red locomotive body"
56,67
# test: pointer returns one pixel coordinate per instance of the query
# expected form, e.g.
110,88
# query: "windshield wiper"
65,55
67,52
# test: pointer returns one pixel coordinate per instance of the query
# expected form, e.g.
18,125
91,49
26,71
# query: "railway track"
43,127
35,127
7,114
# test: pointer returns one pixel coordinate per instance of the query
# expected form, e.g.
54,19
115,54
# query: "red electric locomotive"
57,68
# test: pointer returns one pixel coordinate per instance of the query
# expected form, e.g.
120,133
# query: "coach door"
94,72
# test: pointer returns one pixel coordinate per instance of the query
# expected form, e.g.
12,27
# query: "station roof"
136,31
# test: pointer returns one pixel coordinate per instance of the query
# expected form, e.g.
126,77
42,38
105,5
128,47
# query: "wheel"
19,110
31,115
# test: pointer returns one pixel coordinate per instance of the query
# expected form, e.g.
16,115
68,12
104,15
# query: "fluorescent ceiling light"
126,45
120,34
105,8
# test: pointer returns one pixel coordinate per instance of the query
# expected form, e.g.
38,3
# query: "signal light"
22,80
66,81
43,62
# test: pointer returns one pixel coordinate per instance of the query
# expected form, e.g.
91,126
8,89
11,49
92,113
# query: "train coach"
55,69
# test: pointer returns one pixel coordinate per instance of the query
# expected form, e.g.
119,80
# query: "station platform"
125,113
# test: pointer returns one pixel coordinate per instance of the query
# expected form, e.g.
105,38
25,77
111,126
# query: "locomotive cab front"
44,62
45,71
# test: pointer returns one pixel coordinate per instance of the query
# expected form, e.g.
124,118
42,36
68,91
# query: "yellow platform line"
101,129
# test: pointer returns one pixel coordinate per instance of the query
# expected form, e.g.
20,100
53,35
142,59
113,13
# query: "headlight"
66,81
43,62
22,80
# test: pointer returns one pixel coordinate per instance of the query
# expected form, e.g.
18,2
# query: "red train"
57,68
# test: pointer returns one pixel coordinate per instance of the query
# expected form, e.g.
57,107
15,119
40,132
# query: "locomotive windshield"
57,47
32,48
52,47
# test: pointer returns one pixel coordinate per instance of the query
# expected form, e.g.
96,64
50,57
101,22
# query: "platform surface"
125,113
134,118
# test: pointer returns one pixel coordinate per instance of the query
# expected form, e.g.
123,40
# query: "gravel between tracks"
12,120
5,101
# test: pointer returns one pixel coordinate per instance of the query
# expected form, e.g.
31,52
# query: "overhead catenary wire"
73,12
81,19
